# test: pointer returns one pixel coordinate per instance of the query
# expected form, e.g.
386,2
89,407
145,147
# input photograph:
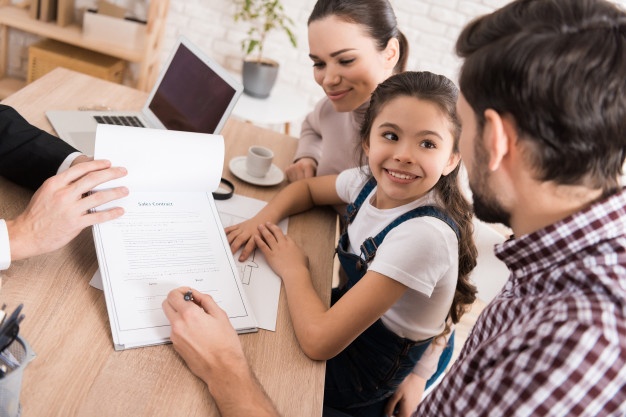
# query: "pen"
8,362
14,317
3,313
10,329
188,296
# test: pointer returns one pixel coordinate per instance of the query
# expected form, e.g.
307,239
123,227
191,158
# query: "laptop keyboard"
119,120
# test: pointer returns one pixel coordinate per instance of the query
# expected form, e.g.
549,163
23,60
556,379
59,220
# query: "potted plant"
264,16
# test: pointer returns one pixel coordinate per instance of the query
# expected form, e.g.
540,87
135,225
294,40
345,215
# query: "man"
543,108
57,212
543,113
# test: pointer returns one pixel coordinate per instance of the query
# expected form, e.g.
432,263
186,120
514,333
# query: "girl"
354,45
407,251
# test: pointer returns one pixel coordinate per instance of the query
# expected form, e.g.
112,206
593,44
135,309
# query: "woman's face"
346,62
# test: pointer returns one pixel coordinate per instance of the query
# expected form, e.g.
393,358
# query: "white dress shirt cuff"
68,161
5,249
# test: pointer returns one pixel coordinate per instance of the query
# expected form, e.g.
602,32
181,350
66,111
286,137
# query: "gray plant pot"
259,77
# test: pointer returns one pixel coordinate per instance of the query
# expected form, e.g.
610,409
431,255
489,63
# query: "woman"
354,46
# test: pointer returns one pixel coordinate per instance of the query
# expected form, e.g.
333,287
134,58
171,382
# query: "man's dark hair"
559,68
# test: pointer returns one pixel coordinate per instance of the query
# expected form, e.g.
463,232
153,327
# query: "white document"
261,284
170,234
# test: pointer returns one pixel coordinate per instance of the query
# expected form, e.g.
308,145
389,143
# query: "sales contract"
170,235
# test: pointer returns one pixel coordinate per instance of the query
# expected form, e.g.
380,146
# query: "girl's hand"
242,234
407,397
281,252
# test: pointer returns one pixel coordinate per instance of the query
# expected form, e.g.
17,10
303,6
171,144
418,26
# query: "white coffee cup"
259,161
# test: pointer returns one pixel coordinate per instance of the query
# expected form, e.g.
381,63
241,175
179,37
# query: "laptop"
193,93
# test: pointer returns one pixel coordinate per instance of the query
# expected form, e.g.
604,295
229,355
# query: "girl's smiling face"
409,149
346,61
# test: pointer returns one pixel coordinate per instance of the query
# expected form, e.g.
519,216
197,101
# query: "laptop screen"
191,96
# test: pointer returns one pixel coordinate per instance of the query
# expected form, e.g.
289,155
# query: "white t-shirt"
421,253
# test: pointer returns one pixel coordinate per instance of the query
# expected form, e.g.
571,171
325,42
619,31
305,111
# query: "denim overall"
369,370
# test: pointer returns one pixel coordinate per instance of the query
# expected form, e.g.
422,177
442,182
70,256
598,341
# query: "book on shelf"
170,234
47,10
65,12
34,9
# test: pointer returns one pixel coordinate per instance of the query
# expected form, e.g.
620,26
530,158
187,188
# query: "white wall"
431,27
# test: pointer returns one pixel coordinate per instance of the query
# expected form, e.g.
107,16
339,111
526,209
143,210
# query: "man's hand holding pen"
201,332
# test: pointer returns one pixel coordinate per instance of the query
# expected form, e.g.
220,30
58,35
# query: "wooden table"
76,371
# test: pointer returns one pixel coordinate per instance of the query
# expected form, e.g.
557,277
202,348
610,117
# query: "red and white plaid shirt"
553,342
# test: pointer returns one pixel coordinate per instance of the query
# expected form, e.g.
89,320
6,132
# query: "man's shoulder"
557,346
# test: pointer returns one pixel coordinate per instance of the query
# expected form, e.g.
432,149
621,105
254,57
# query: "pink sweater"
331,137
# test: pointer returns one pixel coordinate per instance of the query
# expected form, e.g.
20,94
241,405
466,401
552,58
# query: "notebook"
193,93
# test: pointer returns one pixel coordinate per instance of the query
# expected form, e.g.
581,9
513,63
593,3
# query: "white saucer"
237,166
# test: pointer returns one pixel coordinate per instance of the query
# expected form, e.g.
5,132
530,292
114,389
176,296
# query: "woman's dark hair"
376,16
441,92
558,67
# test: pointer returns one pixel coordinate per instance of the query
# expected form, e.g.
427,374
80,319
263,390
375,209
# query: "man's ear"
392,53
497,133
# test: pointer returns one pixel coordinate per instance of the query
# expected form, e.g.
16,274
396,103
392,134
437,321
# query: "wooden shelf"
17,18
145,54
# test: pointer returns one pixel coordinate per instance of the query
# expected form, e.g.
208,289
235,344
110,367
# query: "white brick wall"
431,26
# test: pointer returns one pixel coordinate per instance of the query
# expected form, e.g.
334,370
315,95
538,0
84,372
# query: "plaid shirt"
553,342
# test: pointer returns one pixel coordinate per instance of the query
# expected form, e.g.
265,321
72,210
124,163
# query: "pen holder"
11,384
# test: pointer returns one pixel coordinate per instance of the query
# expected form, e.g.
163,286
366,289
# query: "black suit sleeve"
28,155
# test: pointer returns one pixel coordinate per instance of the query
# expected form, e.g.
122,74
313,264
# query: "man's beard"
486,205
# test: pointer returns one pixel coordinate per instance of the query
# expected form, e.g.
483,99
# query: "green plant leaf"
263,16
252,44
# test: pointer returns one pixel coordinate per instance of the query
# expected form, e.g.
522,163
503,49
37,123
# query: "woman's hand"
407,397
302,168
282,253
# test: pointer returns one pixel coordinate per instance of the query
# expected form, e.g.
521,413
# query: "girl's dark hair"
376,16
442,92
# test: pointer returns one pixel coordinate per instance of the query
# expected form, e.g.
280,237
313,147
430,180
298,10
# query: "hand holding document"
170,235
